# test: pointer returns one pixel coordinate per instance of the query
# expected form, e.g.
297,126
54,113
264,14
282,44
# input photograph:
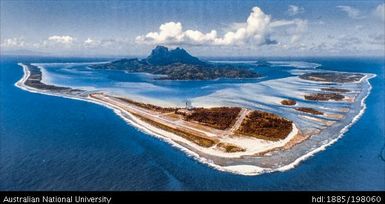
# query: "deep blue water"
53,143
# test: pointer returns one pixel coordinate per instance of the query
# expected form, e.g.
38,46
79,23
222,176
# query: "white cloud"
88,41
107,43
13,43
235,26
298,30
351,12
293,28
379,11
254,32
63,39
91,43
170,32
110,43
295,10
280,23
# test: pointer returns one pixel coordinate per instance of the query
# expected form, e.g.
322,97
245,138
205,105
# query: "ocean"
54,143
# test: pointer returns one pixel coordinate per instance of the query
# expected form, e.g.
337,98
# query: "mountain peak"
161,55
159,48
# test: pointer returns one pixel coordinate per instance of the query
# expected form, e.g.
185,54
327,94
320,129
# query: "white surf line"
296,162
142,126
211,151
160,118
135,122
247,170
119,110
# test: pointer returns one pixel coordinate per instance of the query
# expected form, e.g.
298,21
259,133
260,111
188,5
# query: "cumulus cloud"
295,10
234,26
63,39
379,11
13,43
351,12
255,31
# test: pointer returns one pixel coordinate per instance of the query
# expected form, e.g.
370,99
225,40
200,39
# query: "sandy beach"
251,146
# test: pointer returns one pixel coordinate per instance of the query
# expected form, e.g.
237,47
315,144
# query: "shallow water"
56,143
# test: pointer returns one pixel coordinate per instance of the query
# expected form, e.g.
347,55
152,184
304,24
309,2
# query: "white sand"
252,145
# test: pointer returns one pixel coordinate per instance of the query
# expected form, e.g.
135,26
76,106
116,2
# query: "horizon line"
199,56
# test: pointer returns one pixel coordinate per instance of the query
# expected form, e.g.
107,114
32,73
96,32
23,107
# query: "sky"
204,28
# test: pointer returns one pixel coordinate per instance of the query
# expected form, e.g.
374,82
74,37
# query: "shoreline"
342,131
146,128
191,145
321,148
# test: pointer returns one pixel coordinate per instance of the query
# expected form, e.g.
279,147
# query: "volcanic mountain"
178,64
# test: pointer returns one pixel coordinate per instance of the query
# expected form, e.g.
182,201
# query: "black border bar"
315,197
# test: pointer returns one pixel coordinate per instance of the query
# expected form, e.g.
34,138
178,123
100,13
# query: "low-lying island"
234,139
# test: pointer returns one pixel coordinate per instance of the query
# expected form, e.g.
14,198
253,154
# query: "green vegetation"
324,97
266,126
219,118
229,147
288,102
332,77
309,110
147,106
177,64
335,90
34,80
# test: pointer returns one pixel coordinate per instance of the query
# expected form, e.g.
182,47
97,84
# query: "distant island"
178,64
240,138
333,77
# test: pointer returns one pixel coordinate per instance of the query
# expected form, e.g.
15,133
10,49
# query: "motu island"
189,95
293,118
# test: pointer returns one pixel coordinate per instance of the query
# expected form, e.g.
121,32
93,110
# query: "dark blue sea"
54,143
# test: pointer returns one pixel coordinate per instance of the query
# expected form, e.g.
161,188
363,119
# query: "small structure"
187,110
188,105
